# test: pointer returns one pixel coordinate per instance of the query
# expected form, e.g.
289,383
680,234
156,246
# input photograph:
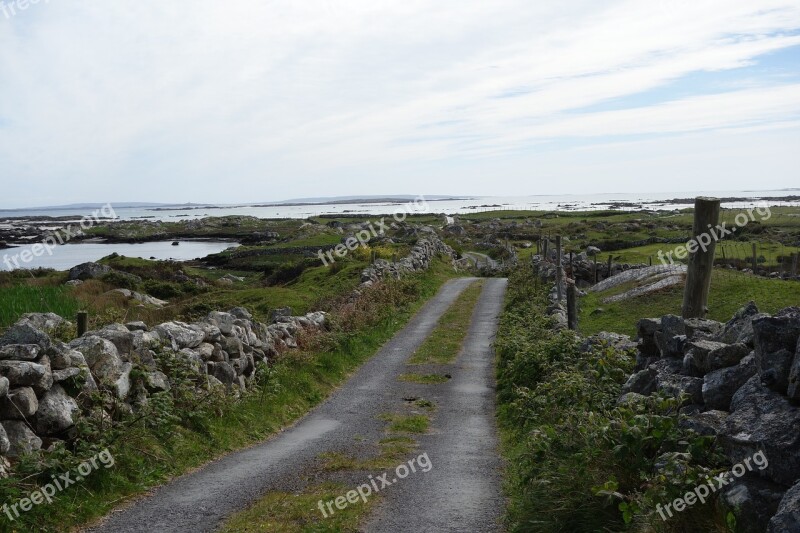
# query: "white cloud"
253,100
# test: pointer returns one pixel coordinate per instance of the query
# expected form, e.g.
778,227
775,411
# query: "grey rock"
224,321
728,355
57,412
720,385
701,328
44,383
242,313
5,444
22,373
101,356
224,372
4,386
740,327
787,517
763,420
86,271
776,342
22,440
700,351
752,501
676,385
119,335
282,312
181,334
19,404
643,382
122,385
706,423
156,382
65,374
25,333
20,352
794,376
136,326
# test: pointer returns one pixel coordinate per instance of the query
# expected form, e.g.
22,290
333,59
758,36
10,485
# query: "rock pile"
44,382
741,384
427,248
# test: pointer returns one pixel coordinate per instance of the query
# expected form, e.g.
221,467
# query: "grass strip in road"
406,423
282,512
424,379
444,343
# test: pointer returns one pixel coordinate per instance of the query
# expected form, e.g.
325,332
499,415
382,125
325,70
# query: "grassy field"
729,291
19,299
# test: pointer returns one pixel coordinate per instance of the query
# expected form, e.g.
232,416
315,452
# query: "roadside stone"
22,373
762,419
676,385
119,335
19,404
224,321
740,327
136,326
787,518
720,385
57,412
794,375
20,352
222,371
643,382
21,439
181,334
701,328
752,501
122,385
700,351
156,382
4,386
25,333
727,355
101,356
707,423
4,444
241,313
86,271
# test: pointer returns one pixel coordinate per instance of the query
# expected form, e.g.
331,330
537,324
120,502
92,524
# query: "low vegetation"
577,461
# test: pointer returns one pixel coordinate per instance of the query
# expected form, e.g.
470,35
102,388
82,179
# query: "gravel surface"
462,492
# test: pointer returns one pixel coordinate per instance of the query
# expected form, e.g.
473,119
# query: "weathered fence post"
572,305
595,269
609,266
701,261
794,264
544,248
559,272
83,323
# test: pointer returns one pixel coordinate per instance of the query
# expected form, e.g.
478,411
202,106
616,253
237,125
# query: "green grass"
406,423
20,299
444,343
729,291
282,512
424,379
151,454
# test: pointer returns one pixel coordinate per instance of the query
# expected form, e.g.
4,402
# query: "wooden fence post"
701,262
572,305
559,272
755,259
609,265
794,264
83,323
595,269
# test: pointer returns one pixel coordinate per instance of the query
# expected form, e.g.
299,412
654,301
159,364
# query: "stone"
241,313
720,385
5,444
282,312
101,356
4,386
752,501
787,517
643,382
646,329
617,341
57,412
740,327
762,419
86,271
727,355
794,375
44,321
181,334
676,385
700,328
44,383
119,335
156,382
65,374
706,423
20,352
776,341
122,385
224,321
19,404
25,333
700,350
224,372
631,399
22,373
21,439
136,326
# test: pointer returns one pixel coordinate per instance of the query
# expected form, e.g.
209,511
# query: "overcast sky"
252,100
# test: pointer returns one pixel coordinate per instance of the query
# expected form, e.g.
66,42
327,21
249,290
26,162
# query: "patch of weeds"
425,379
406,423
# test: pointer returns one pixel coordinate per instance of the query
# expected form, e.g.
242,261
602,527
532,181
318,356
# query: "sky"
257,100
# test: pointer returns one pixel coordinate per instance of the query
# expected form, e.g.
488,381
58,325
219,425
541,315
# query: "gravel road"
461,492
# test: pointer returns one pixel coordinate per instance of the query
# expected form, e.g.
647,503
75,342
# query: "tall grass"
20,299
